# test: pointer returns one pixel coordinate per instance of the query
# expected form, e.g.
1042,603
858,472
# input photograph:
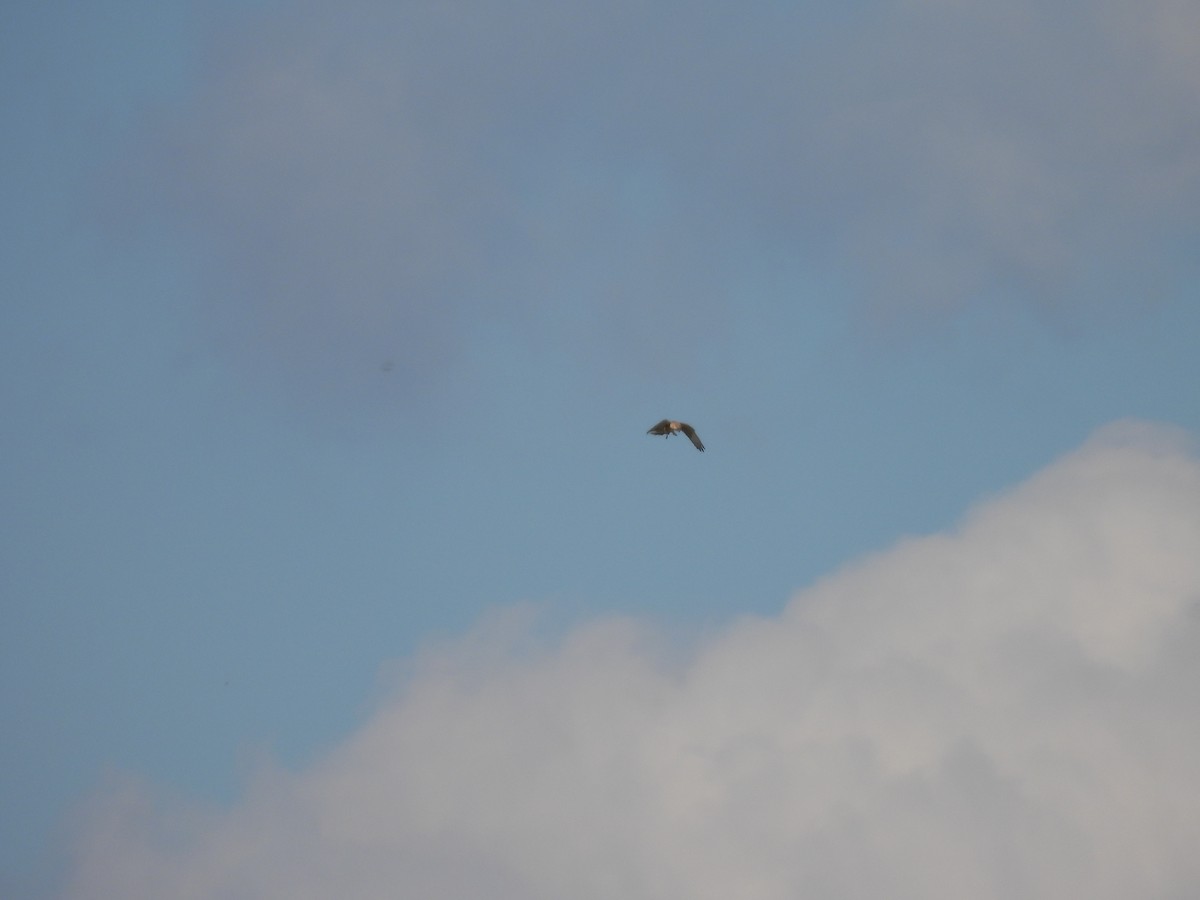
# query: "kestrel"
667,427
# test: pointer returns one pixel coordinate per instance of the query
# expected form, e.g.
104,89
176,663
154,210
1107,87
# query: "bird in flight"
667,428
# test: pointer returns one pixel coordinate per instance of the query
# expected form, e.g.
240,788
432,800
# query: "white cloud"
1009,710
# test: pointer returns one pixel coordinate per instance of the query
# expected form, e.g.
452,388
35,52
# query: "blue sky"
334,333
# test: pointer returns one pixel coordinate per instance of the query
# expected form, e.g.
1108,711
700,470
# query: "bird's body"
668,427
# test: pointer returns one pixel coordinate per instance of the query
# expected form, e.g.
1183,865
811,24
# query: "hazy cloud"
1009,710
377,179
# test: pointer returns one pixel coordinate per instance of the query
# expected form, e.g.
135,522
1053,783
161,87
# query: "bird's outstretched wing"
663,427
692,436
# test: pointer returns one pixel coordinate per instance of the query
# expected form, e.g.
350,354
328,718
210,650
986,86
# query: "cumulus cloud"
1008,710
377,180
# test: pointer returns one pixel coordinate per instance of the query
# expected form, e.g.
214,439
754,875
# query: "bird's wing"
692,436
661,428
